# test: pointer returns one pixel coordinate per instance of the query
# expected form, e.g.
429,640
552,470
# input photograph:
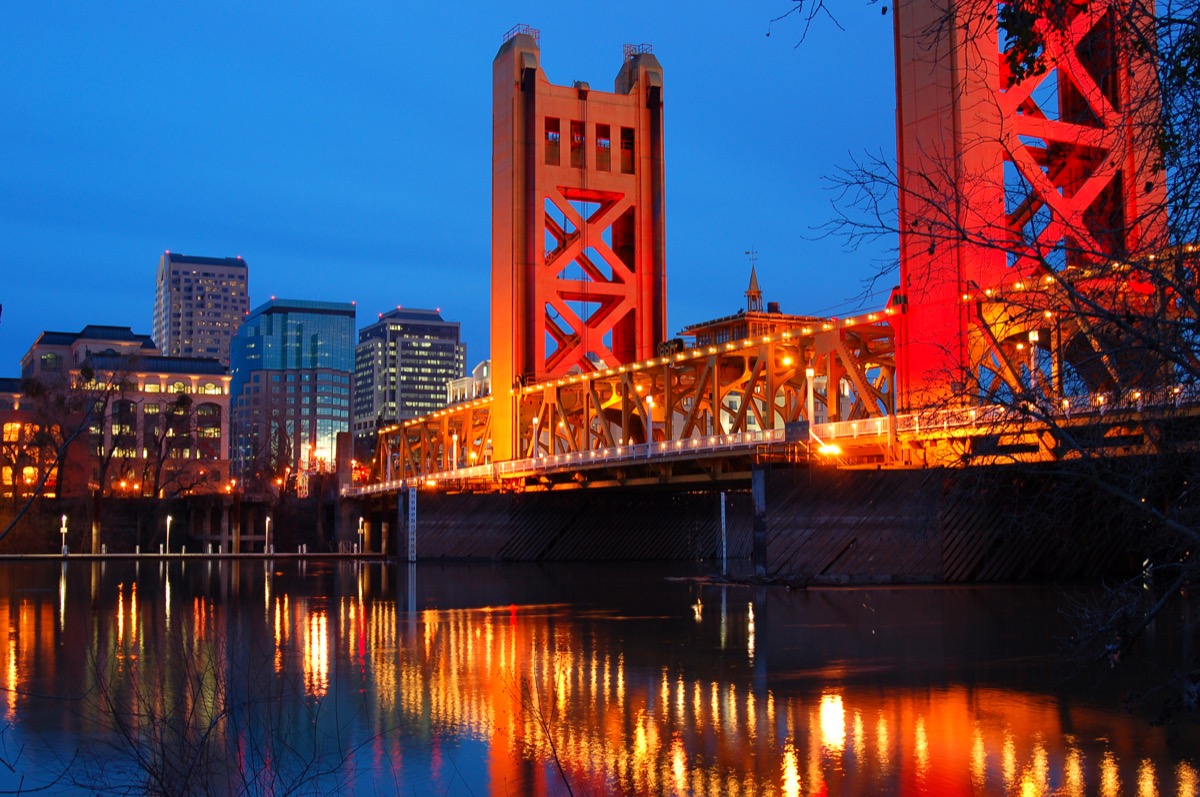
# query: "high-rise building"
198,305
292,364
402,365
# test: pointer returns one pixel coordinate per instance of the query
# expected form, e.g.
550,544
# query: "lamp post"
454,440
361,523
649,425
64,535
1033,357
267,536
810,399
536,440
168,533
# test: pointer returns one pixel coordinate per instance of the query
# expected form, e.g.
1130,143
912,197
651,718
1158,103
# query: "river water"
215,677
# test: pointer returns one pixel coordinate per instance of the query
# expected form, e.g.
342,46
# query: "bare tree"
1058,214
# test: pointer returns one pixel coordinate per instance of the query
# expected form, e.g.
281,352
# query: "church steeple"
753,294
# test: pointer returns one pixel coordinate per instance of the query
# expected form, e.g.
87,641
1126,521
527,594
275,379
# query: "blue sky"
344,150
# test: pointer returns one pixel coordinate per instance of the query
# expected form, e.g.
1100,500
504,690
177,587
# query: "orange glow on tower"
578,226
999,182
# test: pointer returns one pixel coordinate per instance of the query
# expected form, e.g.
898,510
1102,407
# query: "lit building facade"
156,426
476,384
292,367
402,366
198,304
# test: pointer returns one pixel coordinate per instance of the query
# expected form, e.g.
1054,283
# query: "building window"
627,150
577,139
603,148
552,141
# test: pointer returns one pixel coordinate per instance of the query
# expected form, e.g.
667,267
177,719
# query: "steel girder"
843,370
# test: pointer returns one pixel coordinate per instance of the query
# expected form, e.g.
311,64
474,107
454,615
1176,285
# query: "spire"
753,294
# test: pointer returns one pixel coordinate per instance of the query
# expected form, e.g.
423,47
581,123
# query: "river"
214,677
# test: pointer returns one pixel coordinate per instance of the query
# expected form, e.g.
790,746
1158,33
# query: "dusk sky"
344,150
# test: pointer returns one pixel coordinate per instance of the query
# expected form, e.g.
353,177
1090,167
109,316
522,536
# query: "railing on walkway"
869,432
640,453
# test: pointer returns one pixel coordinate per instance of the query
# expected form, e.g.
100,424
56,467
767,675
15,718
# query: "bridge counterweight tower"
578,243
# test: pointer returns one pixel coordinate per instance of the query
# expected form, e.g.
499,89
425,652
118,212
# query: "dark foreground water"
218,677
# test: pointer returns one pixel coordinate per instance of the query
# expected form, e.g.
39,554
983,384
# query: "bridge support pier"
758,493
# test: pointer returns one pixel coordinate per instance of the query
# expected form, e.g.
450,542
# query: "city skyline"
346,156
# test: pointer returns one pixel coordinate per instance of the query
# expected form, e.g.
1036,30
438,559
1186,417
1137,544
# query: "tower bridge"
1027,325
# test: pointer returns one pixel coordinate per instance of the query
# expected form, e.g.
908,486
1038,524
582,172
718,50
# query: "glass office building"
292,366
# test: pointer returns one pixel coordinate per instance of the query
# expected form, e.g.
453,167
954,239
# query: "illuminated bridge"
1039,314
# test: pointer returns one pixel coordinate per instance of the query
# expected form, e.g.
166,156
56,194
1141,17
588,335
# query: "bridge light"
1020,286
829,449
787,360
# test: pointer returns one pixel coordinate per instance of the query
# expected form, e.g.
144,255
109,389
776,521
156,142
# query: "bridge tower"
578,225
1002,183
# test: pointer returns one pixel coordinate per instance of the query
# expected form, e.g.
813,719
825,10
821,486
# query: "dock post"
758,490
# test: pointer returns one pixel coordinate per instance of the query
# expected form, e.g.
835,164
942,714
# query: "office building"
198,305
160,424
402,365
292,364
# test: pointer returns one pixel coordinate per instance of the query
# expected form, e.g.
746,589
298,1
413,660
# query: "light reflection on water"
514,680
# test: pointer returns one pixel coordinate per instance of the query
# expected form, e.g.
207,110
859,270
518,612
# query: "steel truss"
840,371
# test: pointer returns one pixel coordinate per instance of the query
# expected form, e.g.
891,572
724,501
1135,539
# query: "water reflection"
468,680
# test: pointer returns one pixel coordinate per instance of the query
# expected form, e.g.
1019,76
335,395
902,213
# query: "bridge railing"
613,455
869,431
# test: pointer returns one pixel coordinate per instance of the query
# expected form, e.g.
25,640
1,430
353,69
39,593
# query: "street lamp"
64,535
267,536
169,533
361,523
810,400
649,424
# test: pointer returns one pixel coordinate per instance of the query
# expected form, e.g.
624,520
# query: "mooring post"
724,545
758,490
412,524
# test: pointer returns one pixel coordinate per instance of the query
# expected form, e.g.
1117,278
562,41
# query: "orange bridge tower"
1006,184
578,223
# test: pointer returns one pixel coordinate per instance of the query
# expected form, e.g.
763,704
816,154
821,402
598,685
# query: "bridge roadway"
994,434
